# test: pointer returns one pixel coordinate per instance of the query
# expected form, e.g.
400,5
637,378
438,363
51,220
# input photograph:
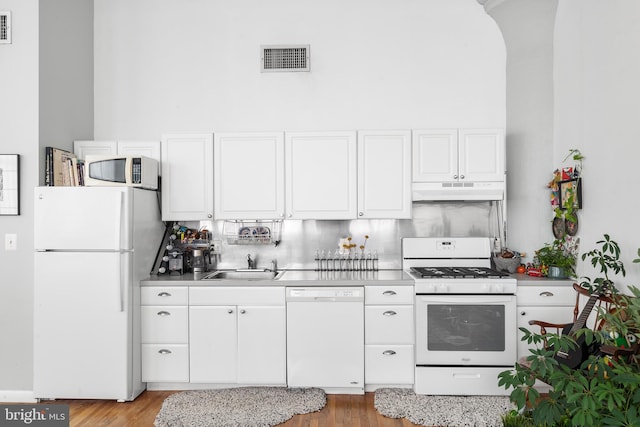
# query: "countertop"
292,278
526,280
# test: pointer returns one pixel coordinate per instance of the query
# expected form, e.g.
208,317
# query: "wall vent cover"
284,58
5,27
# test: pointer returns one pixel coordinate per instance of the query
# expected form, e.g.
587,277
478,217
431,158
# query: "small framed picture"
9,184
571,189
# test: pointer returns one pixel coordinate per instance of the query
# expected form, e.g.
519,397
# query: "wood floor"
341,411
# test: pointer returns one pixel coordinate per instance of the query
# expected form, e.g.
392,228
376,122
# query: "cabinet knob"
455,176
164,351
243,311
229,311
290,215
388,352
389,313
360,213
546,294
461,176
210,216
389,293
164,313
523,313
164,294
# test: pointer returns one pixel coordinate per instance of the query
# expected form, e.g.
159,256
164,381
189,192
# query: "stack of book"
62,168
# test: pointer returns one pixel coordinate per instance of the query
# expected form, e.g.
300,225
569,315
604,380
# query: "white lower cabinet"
389,336
237,335
165,334
548,300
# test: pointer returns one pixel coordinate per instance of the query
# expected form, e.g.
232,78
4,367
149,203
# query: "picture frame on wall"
9,184
568,187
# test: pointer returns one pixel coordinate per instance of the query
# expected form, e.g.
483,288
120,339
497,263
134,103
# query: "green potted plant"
558,259
602,391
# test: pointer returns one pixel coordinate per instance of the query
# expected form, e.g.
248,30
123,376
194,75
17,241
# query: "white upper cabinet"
471,155
149,149
99,148
481,154
321,175
187,177
249,175
384,174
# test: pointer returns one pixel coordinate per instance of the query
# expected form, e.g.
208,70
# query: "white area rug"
239,407
450,411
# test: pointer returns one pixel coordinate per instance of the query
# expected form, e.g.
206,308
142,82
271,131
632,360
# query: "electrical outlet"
11,242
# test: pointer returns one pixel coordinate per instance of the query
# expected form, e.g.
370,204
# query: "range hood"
454,191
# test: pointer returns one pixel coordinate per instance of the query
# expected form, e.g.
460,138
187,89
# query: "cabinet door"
482,155
99,148
187,177
321,175
384,174
213,344
249,175
435,155
262,346
149,149
552,314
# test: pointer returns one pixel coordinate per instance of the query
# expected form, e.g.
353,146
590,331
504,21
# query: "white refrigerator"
93,245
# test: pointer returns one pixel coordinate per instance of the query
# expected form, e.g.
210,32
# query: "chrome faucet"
274,265
251,263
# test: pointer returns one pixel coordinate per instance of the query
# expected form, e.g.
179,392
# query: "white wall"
166,65
18,135
45,100
597,109
527,27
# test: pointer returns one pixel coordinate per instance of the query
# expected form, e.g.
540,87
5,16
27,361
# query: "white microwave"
132,171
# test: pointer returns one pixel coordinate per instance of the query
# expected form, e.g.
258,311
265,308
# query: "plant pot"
557,272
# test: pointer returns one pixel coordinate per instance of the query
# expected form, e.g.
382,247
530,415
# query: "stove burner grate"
458,273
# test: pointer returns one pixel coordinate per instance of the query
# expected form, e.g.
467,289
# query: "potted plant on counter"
558,259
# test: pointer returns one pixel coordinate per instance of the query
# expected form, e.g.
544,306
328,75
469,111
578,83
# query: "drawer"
237,295
165,324
388,364
389,324
546,295
388,294
165,363
164,295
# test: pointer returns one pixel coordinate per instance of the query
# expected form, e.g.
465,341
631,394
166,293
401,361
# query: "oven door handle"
470,299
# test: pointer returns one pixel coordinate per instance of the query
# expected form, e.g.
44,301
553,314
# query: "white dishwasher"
325,338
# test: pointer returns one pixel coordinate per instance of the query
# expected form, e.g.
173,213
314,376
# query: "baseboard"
17,396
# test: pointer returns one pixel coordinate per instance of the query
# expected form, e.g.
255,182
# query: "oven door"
466,330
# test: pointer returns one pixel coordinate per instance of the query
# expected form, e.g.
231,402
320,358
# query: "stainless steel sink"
243,275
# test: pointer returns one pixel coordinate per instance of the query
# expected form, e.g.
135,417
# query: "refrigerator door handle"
119,213
120,284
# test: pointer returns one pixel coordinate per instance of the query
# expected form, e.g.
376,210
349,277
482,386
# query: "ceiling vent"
285,58
5,27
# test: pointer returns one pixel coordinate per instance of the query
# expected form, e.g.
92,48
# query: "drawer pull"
388,352
164,351
164,313
546,294
164,294
389,313
389,293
